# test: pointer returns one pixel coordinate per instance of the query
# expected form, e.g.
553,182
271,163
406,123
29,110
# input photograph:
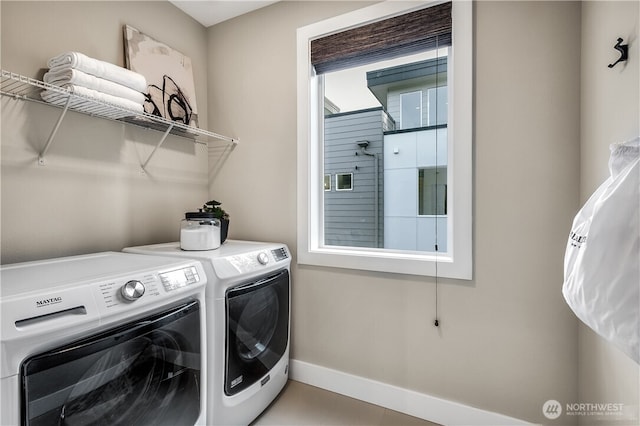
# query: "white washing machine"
248,303
103,339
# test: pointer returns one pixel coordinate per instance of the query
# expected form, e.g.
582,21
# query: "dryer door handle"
242,289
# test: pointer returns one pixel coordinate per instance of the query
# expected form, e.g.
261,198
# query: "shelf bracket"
52,135
160,142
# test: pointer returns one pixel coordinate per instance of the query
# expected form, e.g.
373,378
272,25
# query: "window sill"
388,261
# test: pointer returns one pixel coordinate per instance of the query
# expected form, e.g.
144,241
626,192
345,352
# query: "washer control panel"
89,291
132,290
179,278
149,287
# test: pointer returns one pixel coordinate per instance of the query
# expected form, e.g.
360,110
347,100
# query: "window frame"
457,263
350,181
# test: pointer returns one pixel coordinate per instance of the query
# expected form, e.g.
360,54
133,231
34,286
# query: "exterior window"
398,123
432,191
344,181
411,110
437,105
327,182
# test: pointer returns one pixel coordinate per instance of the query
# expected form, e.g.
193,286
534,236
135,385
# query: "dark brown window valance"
414,32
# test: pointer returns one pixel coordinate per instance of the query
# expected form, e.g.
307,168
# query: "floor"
300,404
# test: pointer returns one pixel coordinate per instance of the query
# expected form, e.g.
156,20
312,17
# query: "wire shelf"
25,88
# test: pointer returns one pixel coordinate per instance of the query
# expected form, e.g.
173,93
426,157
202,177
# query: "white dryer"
103,339
248,304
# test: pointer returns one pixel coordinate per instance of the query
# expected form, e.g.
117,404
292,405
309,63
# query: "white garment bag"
602,259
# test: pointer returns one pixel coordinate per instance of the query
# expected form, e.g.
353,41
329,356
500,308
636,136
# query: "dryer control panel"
280,254
255,261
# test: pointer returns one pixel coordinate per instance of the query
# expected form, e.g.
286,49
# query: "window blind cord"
436,323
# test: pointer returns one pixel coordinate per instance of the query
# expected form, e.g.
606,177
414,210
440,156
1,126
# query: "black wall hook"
624,52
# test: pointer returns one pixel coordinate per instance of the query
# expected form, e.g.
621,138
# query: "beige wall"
610,114
91,195
507,341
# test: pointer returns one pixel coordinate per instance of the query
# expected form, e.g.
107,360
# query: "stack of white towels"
96,80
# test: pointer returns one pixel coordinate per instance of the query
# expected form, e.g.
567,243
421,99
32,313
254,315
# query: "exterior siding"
350,216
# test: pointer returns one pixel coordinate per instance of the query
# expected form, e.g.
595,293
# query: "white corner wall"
610,113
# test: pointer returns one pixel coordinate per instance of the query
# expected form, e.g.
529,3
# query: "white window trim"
338,186
458,261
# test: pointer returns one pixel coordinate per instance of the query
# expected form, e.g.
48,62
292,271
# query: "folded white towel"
85,102
79,78
98,68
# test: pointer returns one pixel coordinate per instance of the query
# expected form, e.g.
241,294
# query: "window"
411,110
327,182
437,105
432,191
344,181
421,140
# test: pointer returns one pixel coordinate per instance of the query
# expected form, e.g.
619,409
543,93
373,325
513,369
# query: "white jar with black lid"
199,231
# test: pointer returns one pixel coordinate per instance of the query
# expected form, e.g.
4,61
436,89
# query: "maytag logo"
47,302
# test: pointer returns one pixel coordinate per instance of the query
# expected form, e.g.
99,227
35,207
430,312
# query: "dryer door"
143,373
257,330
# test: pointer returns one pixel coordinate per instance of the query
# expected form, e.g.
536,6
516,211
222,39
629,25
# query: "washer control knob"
263,258
132,290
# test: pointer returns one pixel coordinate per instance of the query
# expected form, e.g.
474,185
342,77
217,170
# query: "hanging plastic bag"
602,259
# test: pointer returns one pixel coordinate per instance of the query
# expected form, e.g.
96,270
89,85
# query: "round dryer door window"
138,369
143,373
257,322
257,330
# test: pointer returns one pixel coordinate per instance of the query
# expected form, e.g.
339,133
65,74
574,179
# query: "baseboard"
413,403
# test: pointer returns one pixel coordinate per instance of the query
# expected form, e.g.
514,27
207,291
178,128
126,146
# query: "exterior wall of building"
355,217
405,153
